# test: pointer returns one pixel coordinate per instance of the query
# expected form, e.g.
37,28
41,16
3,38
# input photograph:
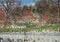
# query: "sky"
27,2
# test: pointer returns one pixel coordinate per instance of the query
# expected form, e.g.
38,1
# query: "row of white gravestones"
40,39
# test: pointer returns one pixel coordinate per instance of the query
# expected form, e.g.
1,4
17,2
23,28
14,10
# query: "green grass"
29,28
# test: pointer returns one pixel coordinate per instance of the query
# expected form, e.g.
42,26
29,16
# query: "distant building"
26,16
2,17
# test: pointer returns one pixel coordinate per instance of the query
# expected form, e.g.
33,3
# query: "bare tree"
47,8
10,11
